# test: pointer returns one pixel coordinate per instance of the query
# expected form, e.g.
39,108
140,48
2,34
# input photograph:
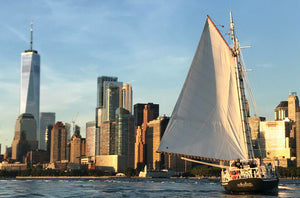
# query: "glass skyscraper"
46,119
30,84
101,89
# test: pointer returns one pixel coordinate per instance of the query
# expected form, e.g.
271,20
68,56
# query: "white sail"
206,121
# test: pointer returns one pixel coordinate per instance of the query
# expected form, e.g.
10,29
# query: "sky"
149,44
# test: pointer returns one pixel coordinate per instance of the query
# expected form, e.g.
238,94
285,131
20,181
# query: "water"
125,187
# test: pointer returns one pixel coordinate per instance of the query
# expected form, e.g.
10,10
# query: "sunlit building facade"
127,97
91,139
275,140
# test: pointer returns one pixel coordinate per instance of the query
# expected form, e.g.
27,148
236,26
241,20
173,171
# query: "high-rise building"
46,119
127,97
124,136
107,134
293,103
75,149
109,98
154,133
100,88
68,131
25,136
150,112
275,139
90,138
112,100
48,140
58,142
30,84
139,112
298,136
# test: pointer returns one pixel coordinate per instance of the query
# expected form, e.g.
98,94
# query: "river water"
128,187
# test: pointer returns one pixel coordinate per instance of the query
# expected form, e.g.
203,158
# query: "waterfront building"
25,137
48,140
36,157
139,112
75,149
275,139
90,138
58,142
154,132
13,167
111,163
124,136
30,84
46,119
127,97
298,136
150,112
77,146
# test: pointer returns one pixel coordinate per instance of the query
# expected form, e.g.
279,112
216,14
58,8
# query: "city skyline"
147,44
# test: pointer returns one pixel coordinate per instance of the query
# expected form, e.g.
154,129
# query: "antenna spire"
31,32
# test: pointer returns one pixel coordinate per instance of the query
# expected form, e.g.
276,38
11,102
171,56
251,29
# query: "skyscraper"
293,103
154,132
152,114
58,142
124,136
149,113
30,83
108,100
46,119
112,99
127,97
100,88
25,136
90,138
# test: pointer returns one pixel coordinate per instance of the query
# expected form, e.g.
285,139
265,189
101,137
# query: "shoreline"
110,177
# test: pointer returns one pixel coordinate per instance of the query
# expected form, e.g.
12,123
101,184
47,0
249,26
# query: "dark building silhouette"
139,112
25,137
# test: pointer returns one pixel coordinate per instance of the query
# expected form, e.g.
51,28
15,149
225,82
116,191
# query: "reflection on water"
124,187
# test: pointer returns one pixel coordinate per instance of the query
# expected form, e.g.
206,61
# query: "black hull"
252,185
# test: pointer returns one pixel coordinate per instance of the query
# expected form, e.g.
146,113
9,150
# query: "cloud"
17,33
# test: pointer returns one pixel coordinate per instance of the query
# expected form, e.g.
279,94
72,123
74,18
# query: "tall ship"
209,124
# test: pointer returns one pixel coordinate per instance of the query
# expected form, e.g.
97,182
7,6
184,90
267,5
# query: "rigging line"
248,84
251,97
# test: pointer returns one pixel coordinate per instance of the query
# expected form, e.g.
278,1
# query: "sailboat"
209,122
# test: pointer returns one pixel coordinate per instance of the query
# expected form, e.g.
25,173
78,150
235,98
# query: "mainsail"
206,121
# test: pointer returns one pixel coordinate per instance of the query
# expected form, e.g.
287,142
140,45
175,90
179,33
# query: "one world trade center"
30,83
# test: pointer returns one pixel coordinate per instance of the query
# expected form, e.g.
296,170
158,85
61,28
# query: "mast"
241,90
31,35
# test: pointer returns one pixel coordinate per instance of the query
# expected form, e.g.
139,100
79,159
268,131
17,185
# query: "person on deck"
238,164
